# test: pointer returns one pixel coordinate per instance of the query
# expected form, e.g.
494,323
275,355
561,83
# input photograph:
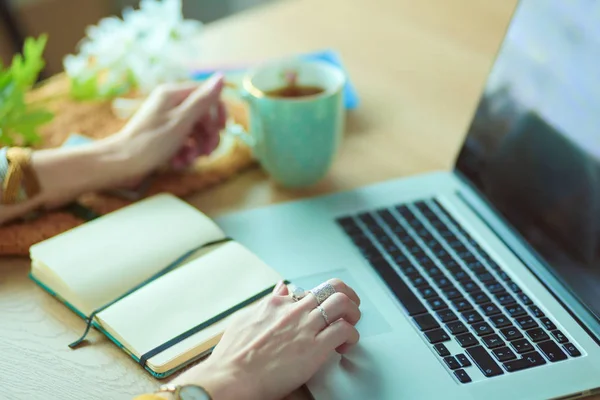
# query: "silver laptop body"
480,283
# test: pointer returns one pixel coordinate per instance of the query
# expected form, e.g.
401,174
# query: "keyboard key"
504,354
427,292
463,360
552,351
522,346
405,296
514,287
417,280
456,327
424,261
500,321
525,299
495,287
526,322
482,328
442,253
548,324
511,333
461,304
490,309
479,297
537,335
407,267
493,341
462,376
472,316
349,225
485,277
505,299
482,359
529,360
464,255
462,276
442,281
451,362
437,336
426,322
368,219
451,293
515,310
558,335
436,303
467,339
441,350
504,276
453,267
414,249
571,349
536,311
476,266
455,243
446,315
470,286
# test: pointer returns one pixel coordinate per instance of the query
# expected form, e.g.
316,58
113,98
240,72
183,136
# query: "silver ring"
322,292
324,314
296,292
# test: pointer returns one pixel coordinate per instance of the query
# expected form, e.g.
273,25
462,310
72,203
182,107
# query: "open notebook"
88,267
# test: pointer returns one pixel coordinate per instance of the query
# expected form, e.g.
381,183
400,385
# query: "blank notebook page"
186,297
106,257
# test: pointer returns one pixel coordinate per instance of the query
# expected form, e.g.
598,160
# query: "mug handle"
236,130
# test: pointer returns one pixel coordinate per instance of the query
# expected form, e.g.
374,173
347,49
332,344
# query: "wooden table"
419,67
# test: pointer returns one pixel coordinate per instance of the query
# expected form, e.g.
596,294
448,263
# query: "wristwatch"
185,392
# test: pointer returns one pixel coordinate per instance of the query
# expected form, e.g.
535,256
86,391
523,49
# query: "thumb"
202,98
281,289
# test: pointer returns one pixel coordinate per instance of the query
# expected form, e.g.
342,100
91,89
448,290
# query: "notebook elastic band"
160,273
159,349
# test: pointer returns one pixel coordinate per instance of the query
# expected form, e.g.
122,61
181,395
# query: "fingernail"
278,287
214,78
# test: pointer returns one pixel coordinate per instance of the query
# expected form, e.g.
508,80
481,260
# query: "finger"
339,335
281,289
337,306
210,143
310,302
169,95
200,100
221,115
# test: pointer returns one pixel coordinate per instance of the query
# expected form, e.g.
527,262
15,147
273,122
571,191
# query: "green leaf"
26,68
19,124
84,89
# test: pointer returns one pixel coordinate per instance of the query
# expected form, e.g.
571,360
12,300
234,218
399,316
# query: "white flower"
148,46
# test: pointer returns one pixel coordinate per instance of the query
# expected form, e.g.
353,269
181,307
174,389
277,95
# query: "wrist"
220,381
65,173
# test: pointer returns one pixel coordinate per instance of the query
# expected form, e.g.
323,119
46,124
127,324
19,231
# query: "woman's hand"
277,346
176,124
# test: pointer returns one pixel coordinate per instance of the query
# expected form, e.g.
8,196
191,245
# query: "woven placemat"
96,120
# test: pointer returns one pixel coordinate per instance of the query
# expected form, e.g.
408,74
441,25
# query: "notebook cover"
115,341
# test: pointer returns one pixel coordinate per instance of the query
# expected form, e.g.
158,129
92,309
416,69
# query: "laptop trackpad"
372,322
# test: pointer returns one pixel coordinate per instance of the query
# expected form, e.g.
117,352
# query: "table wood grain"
418,66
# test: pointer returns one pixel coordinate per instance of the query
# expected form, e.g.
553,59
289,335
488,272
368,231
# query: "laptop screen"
533,148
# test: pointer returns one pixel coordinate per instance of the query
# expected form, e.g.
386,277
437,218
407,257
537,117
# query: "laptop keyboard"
453,290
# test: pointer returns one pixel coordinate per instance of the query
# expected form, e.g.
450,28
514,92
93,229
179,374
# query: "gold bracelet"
20,175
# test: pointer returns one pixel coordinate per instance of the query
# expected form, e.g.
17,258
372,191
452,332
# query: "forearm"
65,173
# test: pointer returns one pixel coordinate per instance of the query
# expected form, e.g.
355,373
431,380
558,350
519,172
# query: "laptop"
482,282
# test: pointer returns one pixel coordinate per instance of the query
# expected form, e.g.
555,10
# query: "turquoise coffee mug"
295,139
